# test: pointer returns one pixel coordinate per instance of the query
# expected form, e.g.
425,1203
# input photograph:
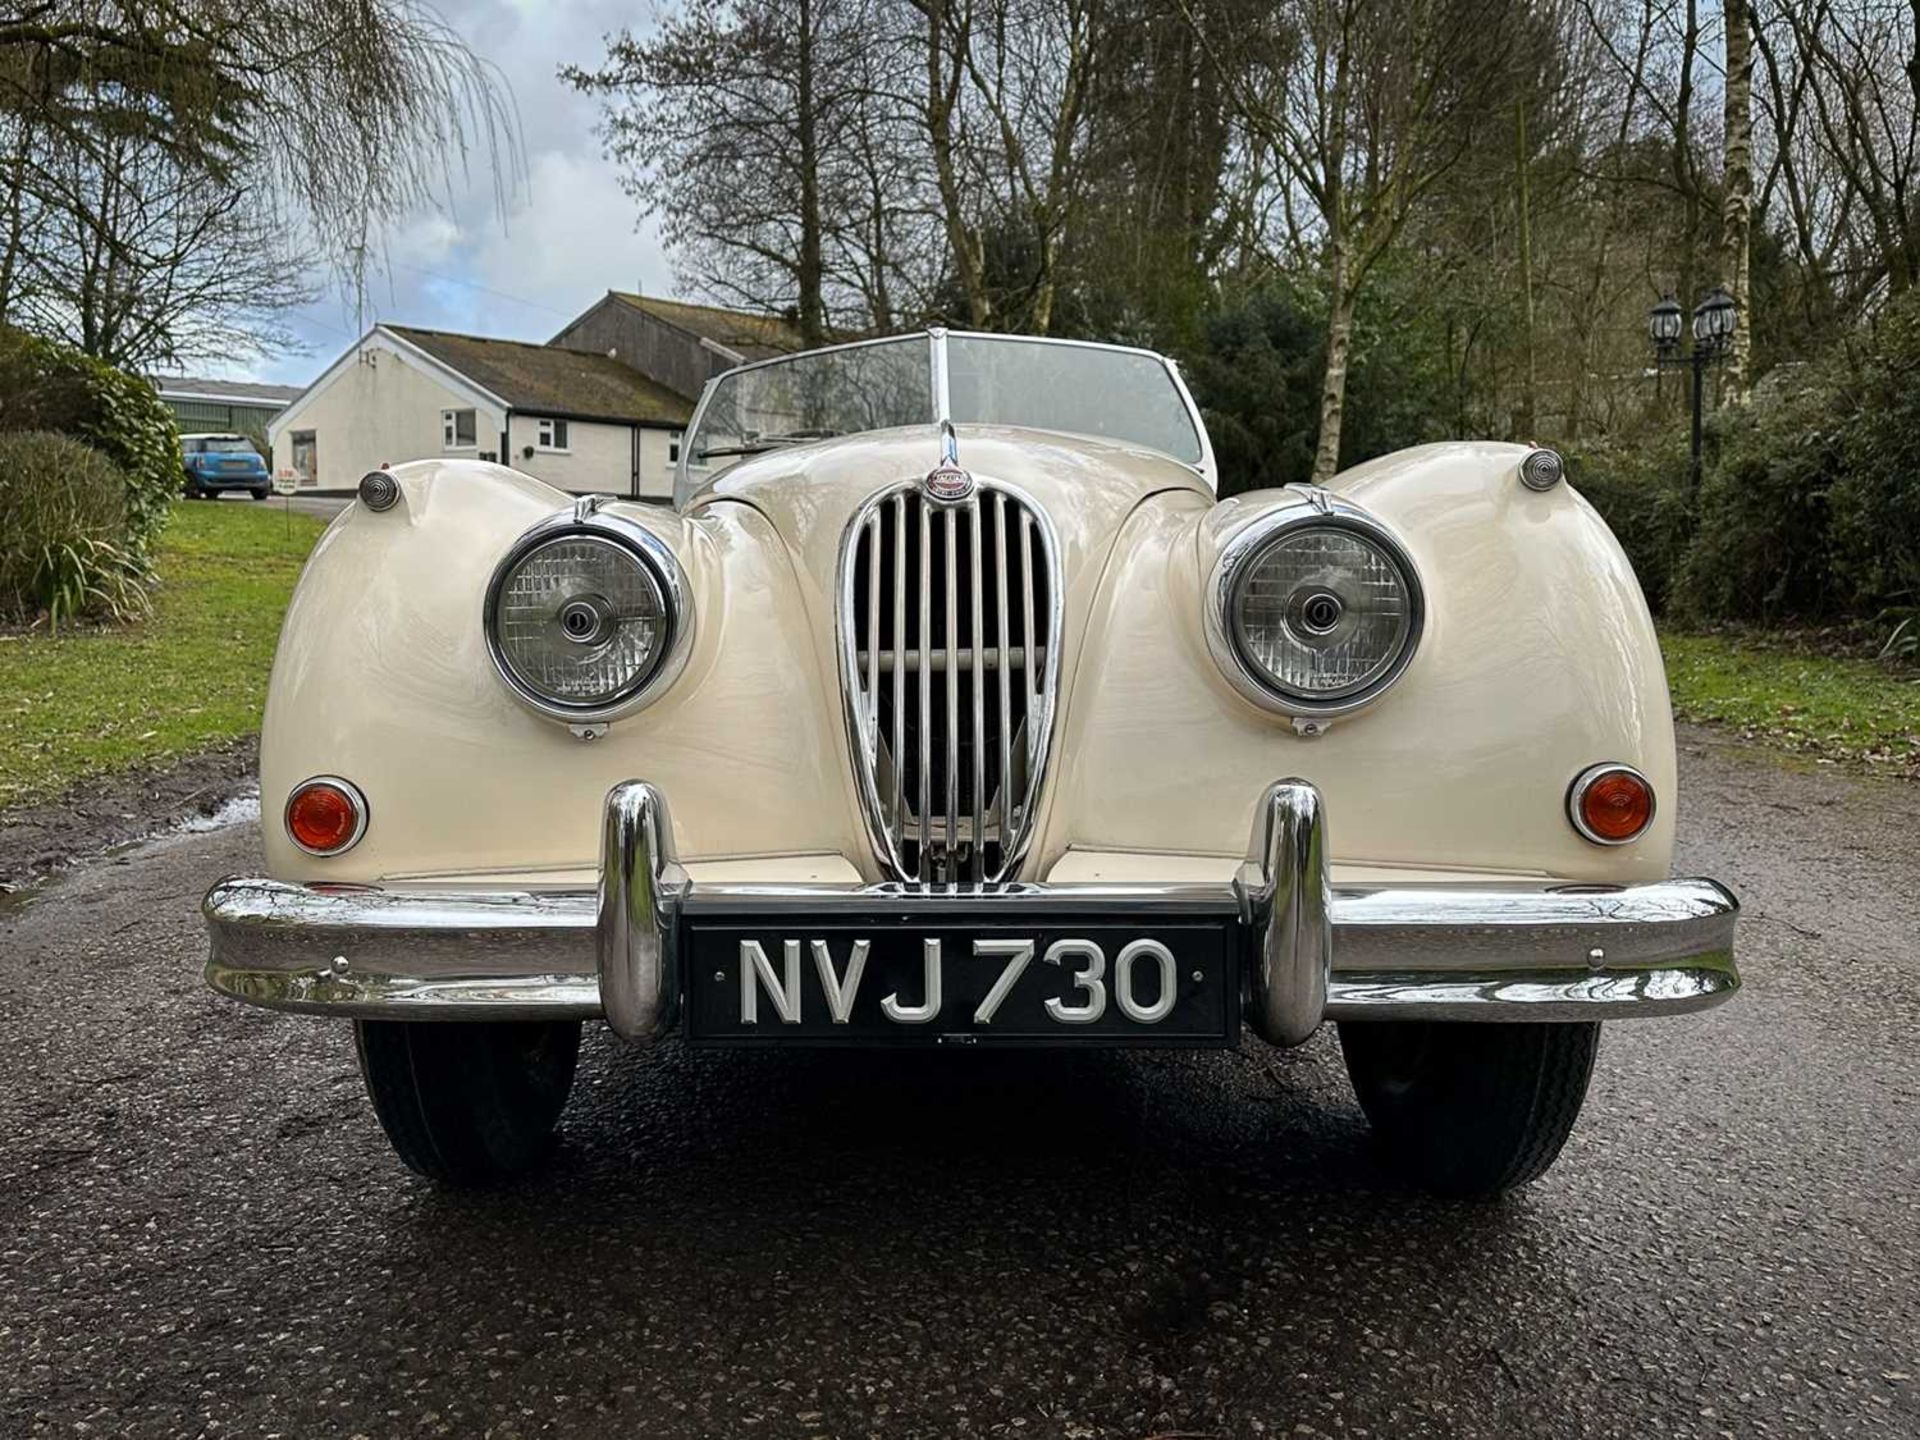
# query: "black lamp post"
1714,319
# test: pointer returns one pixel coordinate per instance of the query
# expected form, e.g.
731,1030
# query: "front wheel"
1470,1109
263,494
468,1102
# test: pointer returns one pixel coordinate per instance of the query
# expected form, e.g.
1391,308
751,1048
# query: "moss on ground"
1829,707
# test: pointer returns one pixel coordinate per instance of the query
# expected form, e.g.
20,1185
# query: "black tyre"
263,494
1470,1109
468,1103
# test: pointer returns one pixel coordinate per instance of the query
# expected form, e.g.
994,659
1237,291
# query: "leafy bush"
1257,371
46,386
1761,547
63,532
1903,639
1641,492
1256,378
1875,500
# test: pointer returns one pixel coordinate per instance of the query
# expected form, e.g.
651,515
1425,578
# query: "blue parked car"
223,462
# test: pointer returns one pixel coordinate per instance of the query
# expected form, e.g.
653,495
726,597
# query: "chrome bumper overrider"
1440,952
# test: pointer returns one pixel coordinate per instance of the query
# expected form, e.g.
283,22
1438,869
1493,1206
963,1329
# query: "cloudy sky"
569,236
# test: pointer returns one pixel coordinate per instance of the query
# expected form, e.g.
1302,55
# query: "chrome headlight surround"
1239,556
657,560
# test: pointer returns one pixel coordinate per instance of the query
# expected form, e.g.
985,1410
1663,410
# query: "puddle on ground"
241,809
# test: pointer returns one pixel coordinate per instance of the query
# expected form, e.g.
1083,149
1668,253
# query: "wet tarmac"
202,1231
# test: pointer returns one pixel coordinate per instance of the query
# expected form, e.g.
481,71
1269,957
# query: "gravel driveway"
202,1232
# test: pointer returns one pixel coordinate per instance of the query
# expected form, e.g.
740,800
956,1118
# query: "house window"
673,447
553,435
458,429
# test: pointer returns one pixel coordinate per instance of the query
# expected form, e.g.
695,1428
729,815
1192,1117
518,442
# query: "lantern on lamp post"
1663,325
1714,321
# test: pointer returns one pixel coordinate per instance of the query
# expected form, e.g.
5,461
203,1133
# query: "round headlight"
1321,611
581,621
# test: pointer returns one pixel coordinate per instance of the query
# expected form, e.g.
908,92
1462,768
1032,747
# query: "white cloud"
569,234
572,241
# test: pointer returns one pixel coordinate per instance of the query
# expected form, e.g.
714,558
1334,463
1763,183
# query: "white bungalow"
584,422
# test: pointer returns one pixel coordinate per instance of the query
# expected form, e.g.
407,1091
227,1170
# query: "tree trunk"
11,249
1342,282
1040,313
967,257
1525,412
1333,390
1737,210
1684,177
808,272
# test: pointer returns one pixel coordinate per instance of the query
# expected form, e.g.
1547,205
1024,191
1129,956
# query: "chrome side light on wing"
1314,609
1542,469
587,617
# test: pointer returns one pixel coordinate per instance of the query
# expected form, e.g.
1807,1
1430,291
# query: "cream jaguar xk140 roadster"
948,706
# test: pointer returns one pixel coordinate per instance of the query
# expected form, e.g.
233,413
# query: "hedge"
46,386
1808,508
1875,499
1642,493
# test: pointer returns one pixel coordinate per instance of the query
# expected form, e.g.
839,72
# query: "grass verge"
194,676
1824,706
85,702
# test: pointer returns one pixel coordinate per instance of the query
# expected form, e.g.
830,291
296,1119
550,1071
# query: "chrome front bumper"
1311,952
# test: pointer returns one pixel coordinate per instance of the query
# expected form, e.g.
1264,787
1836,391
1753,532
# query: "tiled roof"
551,381
754,336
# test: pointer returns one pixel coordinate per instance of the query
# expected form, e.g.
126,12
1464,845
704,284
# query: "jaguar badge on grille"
948,483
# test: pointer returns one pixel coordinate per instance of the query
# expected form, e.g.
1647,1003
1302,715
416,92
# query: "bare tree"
1157,220
1850,84
884,229
945,31
143,263
1003,118
335,118
1363,106
1031,64
764,136
1499,186
1736,216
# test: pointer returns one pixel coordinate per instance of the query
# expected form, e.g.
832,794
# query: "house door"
306,464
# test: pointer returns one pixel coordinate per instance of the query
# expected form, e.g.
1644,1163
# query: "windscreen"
815,397
1129,396
1124,395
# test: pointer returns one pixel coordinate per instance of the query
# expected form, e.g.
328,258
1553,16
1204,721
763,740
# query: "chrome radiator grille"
949,631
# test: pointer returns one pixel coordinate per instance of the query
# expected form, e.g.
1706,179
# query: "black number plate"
1052,982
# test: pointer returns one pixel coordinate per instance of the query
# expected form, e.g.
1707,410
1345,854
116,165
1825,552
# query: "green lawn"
195,674
1827,707
192,676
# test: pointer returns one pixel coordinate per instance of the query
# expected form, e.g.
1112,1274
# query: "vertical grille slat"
873,624
898,814
976,689
950,683
950,774
1026,606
